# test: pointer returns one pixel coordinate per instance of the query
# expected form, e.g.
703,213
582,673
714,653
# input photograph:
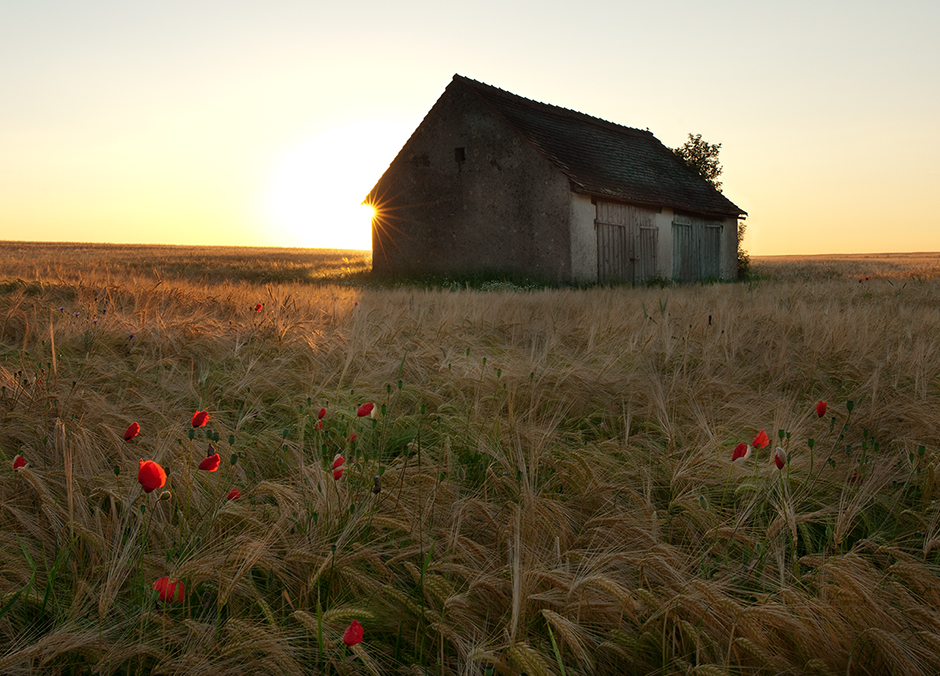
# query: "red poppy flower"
352,437
741,452
365,409
200,418
169,591
761,440
150,475
338,467
321,414
780,458
234,494
259,307
318,426
821,409
132,431
353,634
18,462
210,463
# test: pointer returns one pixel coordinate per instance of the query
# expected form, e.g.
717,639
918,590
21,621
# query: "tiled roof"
605,159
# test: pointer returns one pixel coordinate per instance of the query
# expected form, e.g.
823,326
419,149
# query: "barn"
494,183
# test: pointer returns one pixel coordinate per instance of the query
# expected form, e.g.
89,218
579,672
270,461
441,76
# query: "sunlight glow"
316,191
368,210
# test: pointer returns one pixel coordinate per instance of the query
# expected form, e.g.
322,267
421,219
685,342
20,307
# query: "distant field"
546,485
264,265
38,260
895,266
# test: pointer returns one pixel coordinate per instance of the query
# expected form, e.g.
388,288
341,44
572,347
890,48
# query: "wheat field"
545,484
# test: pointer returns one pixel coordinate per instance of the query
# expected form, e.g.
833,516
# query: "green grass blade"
557,652
9,604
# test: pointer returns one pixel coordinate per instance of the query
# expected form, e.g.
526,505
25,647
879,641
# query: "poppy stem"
794,536
832,449
724,493
146,544
186,477
401,476
332,559
319,628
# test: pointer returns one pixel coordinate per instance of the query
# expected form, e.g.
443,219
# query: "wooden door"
626,243
683,251
696,249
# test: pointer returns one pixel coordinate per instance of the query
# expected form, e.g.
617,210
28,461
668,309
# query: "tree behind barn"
703,157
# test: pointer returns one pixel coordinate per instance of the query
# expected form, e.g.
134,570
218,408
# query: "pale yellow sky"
250,123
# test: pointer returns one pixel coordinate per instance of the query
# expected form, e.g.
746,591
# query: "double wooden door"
626,243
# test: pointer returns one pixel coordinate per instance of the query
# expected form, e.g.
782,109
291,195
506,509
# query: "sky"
239,122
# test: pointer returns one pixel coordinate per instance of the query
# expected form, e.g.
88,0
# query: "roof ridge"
548,107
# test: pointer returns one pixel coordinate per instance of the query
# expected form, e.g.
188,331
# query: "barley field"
543,483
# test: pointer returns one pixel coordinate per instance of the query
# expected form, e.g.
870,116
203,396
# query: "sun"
316,190
368,211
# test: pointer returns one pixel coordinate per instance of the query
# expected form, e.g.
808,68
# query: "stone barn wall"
468,194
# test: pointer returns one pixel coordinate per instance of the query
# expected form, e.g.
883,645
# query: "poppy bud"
376,486
165,495
821,409
741,452
780,458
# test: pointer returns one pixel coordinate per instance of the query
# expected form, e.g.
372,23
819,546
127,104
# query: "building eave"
657,205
